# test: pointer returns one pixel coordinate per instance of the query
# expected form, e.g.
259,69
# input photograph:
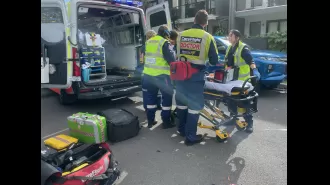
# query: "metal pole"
232,10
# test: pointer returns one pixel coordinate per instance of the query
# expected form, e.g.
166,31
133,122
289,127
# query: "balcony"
276,3
186,13
260,7
242,5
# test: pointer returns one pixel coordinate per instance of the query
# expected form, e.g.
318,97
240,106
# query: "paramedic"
245,63
149,34
173,37
158,56
189,93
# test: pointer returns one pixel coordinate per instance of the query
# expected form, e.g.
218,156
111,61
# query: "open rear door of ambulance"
56,52
158,15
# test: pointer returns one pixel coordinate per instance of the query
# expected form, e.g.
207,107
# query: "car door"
158,15
56,66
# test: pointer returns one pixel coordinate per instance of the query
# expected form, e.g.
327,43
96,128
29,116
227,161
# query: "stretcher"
238,94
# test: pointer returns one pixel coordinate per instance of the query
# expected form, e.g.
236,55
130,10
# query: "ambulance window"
52,25
125,37
157,19
51,15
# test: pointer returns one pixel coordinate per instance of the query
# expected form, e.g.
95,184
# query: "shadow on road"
220,156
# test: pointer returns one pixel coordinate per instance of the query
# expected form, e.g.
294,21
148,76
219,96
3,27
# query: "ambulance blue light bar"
126,2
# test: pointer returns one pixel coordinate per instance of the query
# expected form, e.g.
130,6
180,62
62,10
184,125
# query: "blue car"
271,64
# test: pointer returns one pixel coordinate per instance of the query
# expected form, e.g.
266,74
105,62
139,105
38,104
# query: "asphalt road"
159,157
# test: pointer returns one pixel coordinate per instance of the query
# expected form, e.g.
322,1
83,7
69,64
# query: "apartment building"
251,17
183,12
262,16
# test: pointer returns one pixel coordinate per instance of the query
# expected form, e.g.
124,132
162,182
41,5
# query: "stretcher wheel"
240,128
222,133
221,140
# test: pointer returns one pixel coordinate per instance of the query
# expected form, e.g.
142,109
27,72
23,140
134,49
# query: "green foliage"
221,32
277,41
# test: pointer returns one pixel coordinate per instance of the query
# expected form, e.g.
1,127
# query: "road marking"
281,129
118,98
145,125
122,176
50,135
155,126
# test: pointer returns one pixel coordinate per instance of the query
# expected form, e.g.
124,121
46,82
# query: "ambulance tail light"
76,64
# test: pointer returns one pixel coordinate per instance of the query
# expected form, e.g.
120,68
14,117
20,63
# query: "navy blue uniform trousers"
152,85
190,101
144,96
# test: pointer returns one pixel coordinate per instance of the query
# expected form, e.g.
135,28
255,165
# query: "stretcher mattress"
228,87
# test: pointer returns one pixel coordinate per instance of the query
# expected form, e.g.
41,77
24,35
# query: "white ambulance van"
121,26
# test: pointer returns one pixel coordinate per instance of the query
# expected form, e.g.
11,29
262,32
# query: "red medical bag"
181,70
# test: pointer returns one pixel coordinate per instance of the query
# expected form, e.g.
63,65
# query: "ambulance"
122,27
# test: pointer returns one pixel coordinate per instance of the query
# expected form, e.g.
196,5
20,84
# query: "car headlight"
52,69
270,58
270,67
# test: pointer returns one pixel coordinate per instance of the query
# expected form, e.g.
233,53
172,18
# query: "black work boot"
198,139
151,124
249,127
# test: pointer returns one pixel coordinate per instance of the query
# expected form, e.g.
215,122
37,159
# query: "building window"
255,3
212,7
240,5
276,25
255,28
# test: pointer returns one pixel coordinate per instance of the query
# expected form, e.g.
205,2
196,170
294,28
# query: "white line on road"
122,176
50,135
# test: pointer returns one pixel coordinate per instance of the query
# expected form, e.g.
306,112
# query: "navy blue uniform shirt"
246,55
167,52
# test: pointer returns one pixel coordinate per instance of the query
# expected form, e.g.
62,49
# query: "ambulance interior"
121,33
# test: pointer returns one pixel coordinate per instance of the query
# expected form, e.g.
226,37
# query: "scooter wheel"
221,140
240,128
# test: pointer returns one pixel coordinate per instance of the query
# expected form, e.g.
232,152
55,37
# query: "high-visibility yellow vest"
244,69
154,62
194,44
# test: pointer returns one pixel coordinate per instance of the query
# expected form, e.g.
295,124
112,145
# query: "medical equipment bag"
181,70
121,124
226,75
80,164
60,142
88,128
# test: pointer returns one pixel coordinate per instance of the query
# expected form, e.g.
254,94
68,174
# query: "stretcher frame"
217,114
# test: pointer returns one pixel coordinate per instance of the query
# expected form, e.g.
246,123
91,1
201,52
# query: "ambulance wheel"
67,99
221,140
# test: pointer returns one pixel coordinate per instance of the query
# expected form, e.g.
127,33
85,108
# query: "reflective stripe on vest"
159,65
201,59
244,69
